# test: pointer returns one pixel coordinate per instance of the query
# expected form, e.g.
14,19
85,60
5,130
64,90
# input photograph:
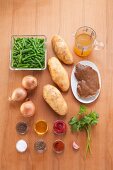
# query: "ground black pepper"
21,127
40,146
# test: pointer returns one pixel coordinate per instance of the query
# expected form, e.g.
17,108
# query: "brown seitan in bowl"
88,81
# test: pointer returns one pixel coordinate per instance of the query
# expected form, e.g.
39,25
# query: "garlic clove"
75,146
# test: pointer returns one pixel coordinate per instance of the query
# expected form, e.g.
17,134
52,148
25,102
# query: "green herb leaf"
73,120
74,128
82,110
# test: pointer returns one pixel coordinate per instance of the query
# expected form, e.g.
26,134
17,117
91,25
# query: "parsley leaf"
82,110
73,120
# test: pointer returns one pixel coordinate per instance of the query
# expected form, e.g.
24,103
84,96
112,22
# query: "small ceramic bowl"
56,146
41,127
40,146
59,127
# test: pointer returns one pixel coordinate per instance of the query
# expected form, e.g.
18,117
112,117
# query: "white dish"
21,145
74,83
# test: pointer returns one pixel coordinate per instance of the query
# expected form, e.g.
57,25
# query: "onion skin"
29,82
27,109
19,94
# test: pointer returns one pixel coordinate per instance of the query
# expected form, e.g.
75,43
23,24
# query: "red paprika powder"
58,146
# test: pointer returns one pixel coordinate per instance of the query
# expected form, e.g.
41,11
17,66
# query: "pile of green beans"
28,53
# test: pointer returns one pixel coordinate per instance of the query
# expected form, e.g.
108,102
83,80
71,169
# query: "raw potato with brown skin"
55,99
58,74
61,50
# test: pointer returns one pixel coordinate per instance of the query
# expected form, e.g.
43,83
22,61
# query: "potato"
61,50
55,99
58,73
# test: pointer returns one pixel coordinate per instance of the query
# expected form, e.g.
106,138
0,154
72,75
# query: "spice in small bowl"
40,146
21,128
41,127
58,146
21,146
59,127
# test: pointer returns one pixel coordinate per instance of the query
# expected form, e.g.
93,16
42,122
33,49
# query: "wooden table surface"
51,17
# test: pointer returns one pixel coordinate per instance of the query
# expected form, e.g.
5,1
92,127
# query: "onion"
27,109
19,94
29,82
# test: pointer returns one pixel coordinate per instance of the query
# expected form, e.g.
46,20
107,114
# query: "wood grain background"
50,17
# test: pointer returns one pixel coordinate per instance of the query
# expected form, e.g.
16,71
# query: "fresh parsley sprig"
85,122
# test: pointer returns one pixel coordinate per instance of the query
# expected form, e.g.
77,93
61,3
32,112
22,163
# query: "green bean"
40,55
26,50
41,45
23,65
19,45
32,55
15,46
26,62
24,42
39,62
26,58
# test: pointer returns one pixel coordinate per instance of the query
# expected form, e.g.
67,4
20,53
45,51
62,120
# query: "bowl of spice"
28,52
21,128
59,127
21,146
58,146
41,127
40,146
